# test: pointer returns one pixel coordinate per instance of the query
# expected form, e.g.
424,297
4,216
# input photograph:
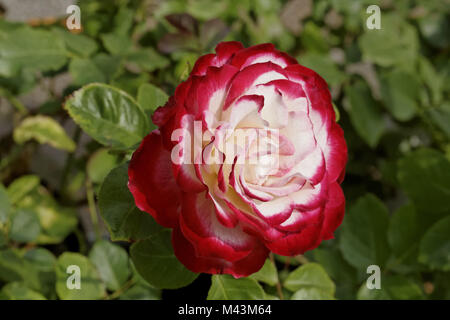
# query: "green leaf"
5,205
30,49
19,291
400,94
117,44
110,66
156,262
205,10
431,79
339,270
84,71
141,292
100,164
91,286
43,259
364,112
324,66
130,82
43,263
404,234
56,221
312,294
435,246
396,43
13,267
440,117
424,175
310,281
44,130
313,38
78,44
123,20
151,97
392,288
267,274
147,59
363,239
112,262
25,226
108,115
225,287
123,219
20,187
100,68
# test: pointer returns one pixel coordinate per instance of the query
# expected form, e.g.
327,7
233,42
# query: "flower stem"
278,285
119,291
69,161
92,208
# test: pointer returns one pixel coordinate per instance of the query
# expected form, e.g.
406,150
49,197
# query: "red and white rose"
247,159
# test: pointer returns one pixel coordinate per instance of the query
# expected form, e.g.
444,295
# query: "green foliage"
267,274
5,206
112,260
91,286
404,233
400,93
393,288
90,95
364,113
108,115
399,43
24,226
123,219
44,130
342,273
310,282
435,246
151,97
156,263
363,236
30,49
225,287
19,291
100,164
431,168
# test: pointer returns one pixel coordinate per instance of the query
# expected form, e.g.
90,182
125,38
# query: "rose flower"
247,160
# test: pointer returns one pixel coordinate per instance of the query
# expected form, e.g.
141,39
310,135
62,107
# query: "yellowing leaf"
44,130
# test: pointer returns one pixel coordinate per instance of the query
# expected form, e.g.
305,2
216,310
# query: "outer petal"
202,64
336,153
334,211
209,237
224,51
259,54
297,243
185,252
303,74
152,183
163,114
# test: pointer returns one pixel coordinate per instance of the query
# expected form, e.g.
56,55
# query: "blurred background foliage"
390,88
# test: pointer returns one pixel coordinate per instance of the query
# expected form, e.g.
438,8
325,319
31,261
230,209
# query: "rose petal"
152,183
